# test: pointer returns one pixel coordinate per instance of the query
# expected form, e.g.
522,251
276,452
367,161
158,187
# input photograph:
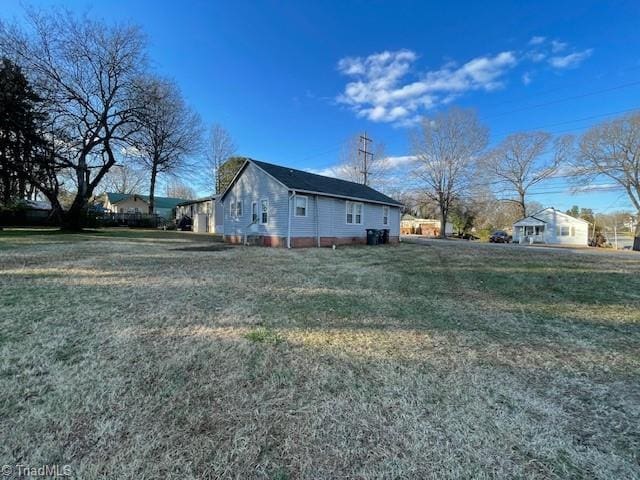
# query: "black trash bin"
385,236
372,236
380,237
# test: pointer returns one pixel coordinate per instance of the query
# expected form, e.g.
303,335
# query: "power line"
590,117
566,99
558,89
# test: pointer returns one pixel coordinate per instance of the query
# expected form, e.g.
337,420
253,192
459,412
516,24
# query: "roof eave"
359,199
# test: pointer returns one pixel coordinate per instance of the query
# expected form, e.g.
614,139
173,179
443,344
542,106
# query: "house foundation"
300,242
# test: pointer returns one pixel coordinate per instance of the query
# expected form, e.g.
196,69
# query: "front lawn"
165,355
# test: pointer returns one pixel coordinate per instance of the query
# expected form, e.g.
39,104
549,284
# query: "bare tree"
177,189
521,162
220,148
446,146
612,150
170,132
86,72
125,178
351,162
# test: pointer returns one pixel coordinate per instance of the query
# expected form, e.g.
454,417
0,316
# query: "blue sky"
292,80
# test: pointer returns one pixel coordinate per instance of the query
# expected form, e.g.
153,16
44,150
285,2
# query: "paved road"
531,248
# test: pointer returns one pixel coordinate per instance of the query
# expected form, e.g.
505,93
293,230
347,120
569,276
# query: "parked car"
500,236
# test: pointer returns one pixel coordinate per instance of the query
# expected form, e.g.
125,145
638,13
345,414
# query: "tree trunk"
443,222
73,218
636,240
6,187
152,187
523,206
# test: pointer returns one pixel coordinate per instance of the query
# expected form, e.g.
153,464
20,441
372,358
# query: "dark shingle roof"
197,200
311,182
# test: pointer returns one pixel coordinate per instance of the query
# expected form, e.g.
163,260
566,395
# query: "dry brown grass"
161,356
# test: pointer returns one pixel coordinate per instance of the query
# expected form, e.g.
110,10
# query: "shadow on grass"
107,233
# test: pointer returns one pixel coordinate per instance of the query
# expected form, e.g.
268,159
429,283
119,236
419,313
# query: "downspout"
293,193
317,224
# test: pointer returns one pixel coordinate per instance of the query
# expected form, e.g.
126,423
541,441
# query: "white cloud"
598,187
389,163
557,46
400,161
378,92
537,40
570,61
537,56
387,86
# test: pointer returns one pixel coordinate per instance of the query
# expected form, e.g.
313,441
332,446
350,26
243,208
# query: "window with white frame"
301,206
385,215
354,213
236,209
573,231
562,231
264,211
254,212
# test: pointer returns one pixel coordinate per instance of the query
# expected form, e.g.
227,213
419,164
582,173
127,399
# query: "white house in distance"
133,203
552,227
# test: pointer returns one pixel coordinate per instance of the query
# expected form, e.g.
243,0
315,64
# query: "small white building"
552,227
205,213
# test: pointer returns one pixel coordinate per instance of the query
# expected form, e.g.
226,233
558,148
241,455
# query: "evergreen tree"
22,143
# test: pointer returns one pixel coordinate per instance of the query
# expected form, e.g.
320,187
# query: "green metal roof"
159,202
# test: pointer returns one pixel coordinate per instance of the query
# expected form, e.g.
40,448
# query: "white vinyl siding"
254,185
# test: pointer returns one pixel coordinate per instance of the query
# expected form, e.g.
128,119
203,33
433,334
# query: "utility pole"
364,141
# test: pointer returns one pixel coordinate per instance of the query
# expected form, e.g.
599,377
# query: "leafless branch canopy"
86,71
220,148
522,161
612,150
168,133
446,146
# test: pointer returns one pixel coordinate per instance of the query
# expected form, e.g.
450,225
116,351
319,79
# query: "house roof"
306,182
532,219
198,200
529,221
160,202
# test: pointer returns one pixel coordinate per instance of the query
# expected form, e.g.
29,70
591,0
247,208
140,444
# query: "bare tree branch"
220,148
169,131
447,146
612,150
86,71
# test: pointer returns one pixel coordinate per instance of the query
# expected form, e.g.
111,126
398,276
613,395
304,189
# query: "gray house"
271,205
